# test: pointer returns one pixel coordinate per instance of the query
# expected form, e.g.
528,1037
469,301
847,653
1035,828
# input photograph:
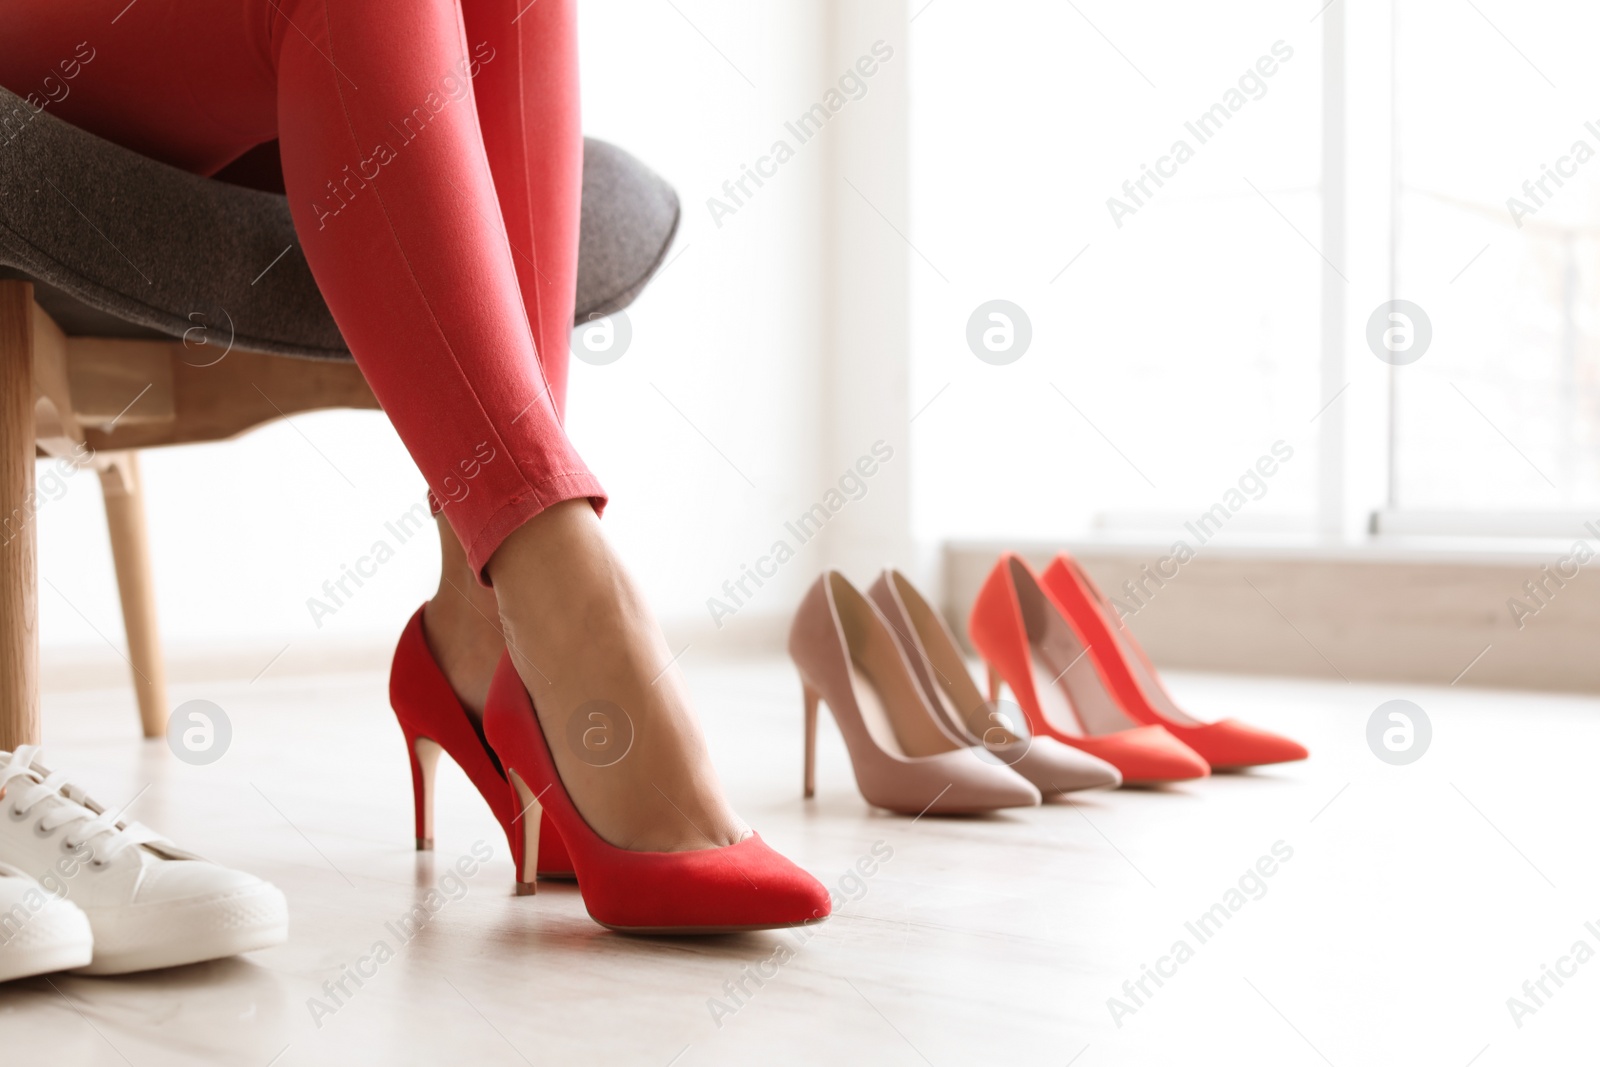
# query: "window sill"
1428,611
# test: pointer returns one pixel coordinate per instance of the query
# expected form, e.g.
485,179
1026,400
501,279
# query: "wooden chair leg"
19,563
130,549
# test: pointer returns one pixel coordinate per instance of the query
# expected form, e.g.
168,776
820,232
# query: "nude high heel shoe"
905,758
941,672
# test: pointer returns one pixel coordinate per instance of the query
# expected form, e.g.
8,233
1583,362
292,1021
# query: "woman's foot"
617,717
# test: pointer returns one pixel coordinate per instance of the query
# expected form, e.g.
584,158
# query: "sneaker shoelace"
28,785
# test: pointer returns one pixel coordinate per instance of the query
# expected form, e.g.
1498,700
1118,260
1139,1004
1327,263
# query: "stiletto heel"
743,886
525,843
994,683
812,697
1025,637
904,757
433,719
424,763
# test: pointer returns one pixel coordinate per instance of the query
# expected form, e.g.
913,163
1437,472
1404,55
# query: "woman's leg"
527,100
399,217
528,107
397,210
579,628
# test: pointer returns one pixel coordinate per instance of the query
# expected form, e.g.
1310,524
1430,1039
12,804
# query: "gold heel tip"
526,889
424,844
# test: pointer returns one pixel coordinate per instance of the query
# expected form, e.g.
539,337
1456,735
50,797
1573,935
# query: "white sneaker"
38,932
149,903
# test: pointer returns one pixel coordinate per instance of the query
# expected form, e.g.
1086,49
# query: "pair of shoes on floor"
921,737
82,890
744,886
1082,678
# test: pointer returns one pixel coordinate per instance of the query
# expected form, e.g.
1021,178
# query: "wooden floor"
1416,901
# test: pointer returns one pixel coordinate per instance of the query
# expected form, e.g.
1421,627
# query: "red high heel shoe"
1027,641
433,718
1227,744
745,886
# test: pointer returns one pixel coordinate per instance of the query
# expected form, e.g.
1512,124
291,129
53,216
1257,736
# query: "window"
1179,323
1496,229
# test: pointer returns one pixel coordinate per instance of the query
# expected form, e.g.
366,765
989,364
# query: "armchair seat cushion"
120,245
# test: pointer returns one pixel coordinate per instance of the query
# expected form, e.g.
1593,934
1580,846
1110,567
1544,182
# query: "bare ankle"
461,624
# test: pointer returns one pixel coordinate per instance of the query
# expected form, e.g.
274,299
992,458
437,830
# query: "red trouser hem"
574,485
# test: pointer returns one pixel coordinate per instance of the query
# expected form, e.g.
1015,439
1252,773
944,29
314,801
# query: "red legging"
434,163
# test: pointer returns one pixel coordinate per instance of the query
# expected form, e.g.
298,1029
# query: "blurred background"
1170,343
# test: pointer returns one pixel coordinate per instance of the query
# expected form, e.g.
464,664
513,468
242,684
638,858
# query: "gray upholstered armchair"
142,306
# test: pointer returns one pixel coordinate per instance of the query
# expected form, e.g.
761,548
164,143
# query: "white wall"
1181,341
244,532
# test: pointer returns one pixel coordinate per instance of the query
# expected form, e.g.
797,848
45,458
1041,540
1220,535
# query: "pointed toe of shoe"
784,894
746,886
1106,776
1231,745
1148,755
1010,790
962,782
972,784
1056,768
